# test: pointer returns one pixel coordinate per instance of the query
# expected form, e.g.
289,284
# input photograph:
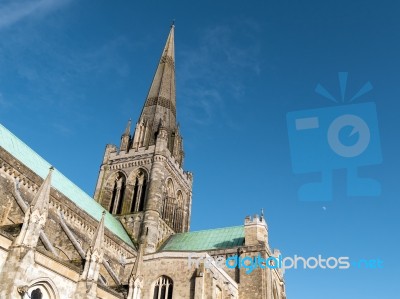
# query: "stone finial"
41,199
126,138
87,285
135,287
127,131
36,215
98,237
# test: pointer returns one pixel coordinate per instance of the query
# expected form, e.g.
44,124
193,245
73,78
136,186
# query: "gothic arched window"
163,288
169,204
139,192
117,196
178,219
36,294
42,288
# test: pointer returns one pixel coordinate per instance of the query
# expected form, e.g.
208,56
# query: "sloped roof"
219,238
37,164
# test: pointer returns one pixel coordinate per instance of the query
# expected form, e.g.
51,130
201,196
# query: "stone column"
199,282
151,215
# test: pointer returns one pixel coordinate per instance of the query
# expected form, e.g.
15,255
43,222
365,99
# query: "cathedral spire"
163,84
161,99
150,165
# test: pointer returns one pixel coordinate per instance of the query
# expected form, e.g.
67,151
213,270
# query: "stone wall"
57,277
118,255
189,282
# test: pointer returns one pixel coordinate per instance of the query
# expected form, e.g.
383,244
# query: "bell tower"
142,182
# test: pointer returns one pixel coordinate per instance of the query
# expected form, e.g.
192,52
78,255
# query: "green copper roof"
219,238
37,164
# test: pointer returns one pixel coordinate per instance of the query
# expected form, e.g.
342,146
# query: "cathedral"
132,239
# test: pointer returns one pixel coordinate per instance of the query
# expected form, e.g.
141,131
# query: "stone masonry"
132,239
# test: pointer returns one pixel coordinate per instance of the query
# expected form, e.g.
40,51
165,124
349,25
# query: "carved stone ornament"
22,290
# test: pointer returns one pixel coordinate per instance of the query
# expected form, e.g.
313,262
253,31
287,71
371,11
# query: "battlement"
255,219
255,230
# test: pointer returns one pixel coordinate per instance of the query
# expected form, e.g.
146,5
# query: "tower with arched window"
57,242
142,181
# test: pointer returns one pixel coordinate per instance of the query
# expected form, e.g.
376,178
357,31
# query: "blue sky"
73,72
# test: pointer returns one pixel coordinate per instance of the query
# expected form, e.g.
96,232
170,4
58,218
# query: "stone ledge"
106,292
66,270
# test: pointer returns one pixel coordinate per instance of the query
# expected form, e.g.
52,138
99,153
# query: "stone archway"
42,288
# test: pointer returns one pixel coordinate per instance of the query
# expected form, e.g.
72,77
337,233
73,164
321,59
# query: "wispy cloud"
12,12
62,129
214,73
41,71
207,103
4,103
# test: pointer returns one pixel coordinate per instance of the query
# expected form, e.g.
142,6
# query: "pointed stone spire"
126,137
163,84
136,278
41,199
87,285
16,271
128,128
161,99
98,237
36,215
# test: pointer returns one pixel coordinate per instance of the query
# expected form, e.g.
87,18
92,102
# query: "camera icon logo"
358,125
325,139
